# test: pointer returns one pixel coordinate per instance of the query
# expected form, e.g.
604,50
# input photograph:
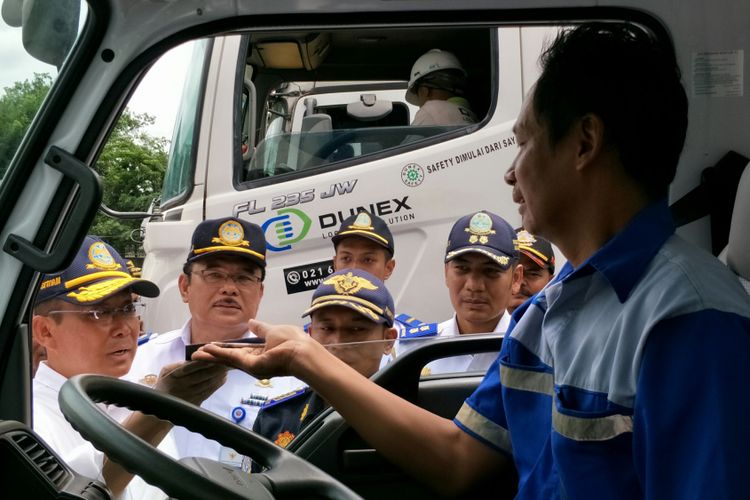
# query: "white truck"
296,131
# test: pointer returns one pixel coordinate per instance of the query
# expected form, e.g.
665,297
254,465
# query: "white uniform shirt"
454,111
80,455
468,362
170,348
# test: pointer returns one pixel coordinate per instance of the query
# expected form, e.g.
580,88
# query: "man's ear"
183,283
389,334
515,286
389,267
42,330
590,139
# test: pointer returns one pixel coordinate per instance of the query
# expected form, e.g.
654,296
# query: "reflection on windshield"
25,79
284,153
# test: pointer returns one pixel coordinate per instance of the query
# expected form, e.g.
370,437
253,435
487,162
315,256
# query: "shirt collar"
625,257
49,376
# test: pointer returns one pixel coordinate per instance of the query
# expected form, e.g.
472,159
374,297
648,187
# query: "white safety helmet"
430,62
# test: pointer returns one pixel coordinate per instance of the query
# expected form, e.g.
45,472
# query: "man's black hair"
628,79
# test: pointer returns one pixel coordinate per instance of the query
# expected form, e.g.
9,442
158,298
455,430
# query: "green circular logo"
412,175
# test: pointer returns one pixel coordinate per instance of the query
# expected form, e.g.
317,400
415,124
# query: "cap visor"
104,289
239,252
498,257
539,262
364,311
362,234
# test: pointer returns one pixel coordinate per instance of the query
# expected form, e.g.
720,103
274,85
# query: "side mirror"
369,109
12,13
49,28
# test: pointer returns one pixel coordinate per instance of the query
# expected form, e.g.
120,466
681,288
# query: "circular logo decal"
412,175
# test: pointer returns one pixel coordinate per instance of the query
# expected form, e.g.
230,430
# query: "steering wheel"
287,475
330,147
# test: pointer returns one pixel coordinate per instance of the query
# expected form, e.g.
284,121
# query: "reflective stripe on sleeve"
590,429
486,429
526,380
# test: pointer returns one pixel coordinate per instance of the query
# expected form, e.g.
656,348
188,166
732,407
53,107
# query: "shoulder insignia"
284,438
423,330
284,397
408,320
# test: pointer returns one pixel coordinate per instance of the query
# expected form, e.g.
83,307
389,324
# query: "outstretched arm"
403,432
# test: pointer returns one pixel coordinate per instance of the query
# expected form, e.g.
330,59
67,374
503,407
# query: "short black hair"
631,81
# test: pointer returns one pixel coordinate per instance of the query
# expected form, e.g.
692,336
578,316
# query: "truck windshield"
31,55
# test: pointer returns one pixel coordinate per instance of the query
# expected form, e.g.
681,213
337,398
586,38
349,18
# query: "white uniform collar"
501,327
49,377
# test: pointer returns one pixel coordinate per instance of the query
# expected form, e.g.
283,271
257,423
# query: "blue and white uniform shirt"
626,377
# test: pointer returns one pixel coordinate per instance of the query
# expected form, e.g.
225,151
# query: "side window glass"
148,155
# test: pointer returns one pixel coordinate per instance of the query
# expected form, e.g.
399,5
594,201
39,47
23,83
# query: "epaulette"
423,330
284,397
408,321
146,337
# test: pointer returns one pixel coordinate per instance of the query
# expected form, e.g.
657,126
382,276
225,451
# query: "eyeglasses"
106,316
216,277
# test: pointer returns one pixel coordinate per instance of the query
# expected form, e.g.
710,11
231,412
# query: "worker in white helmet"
437,85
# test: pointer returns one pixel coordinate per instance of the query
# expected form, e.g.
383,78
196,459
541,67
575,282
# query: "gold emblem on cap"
149,379
363,221
231,234
480,225
348,284
264,382
100,258
525,238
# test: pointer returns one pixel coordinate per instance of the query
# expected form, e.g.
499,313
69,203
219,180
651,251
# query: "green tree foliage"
132,166
18,105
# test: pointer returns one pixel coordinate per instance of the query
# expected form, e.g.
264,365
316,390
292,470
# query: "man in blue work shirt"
626,376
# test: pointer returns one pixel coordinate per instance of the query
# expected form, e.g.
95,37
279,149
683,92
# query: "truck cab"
297,131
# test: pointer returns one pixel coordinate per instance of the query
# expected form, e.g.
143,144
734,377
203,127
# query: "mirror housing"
50,28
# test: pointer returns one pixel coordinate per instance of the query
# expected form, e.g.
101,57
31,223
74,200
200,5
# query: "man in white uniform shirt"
222,284
482,274
86,320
